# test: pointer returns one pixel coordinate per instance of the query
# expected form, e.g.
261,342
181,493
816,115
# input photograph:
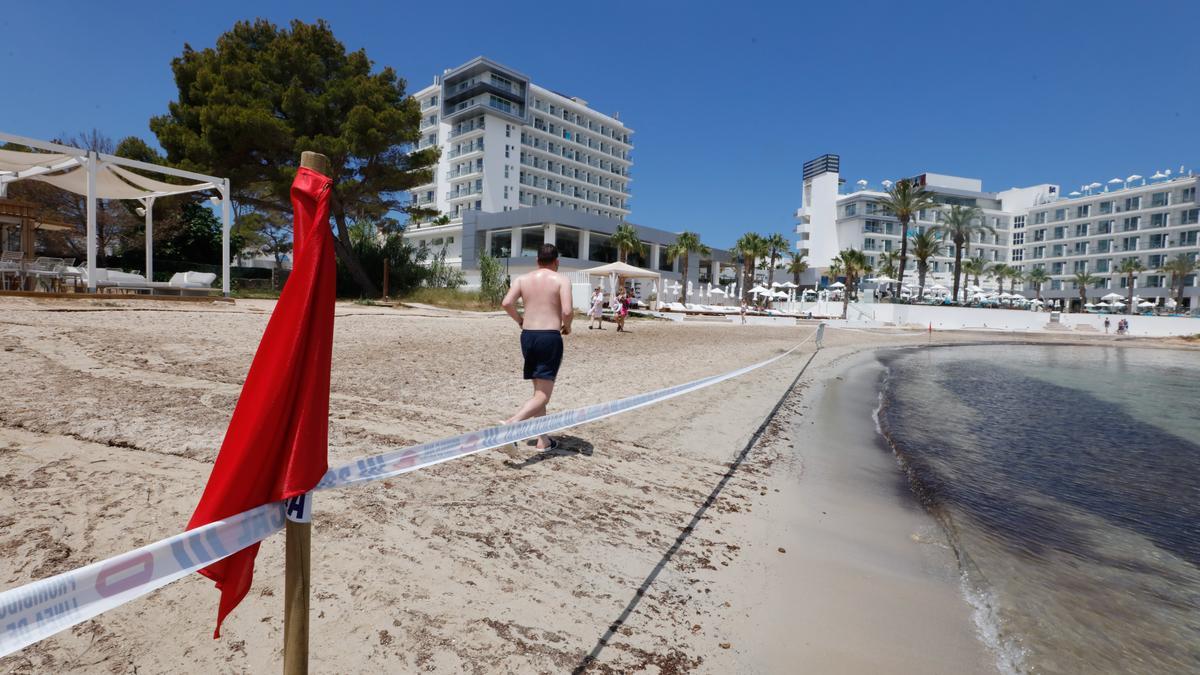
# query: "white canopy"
837,284
621,269
760,290
1112,296
1145,304
716,290
101,176
788,284
882,280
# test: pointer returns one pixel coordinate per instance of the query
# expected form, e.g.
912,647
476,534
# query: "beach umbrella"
759,290
837,284
1144,304
1111,296
882,280
1170,304
717,291
788,284
1018,296
1086,304
775,284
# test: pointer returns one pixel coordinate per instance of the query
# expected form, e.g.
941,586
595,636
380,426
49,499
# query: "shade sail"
16,161
113,182
622,270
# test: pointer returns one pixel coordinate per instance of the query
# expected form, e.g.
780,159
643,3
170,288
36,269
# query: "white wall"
958,318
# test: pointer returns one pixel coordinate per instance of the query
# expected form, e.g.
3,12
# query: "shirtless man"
548,314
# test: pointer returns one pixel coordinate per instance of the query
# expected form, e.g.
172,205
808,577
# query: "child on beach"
596,313
621,310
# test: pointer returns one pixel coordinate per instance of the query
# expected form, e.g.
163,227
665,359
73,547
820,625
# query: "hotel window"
508,131
1104,227
1058,250
1060,214
1129,243
1039,251
1189,238
1133,203
1158,220
1155,260
1080,266
1104,245
1106,207
1189,194
1130,224
851,209
1060,232
1056,284
887,244
871,207
872,226
1081,230
1039,218
1158,241
1056,268
1081,248
1189,216
1082,211
1102,265
1018,238
1159,199
1039,235
1018,255
1018,222
868,244
600,248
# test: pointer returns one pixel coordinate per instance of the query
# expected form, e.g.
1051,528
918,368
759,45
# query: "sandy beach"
655,541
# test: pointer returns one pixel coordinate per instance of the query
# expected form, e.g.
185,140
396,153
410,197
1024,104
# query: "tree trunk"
957,268
1037,288
845,300
771,272
1129,307
796,279
345,250
683,286
921,270
903,252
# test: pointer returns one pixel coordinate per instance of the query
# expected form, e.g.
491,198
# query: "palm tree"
626,240
1082,281
904,200
1038,276
975,267
1000,272
925,245
1130,268
1180,267
797,266
751,247
685,244
958,224
777,245
887,264
854,266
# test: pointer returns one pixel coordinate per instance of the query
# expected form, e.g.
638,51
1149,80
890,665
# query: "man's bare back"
547,298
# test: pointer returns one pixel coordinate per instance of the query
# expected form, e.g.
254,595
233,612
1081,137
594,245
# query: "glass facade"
501,244
532,239
601,249
567,240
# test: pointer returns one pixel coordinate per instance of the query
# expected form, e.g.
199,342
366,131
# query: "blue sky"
727,99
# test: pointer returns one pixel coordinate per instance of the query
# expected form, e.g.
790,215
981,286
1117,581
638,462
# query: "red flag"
277,442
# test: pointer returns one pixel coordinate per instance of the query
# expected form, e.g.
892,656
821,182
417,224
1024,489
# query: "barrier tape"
36,611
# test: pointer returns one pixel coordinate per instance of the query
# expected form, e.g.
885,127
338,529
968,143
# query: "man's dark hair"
547,253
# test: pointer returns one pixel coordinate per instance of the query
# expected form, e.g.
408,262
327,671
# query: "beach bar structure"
101,176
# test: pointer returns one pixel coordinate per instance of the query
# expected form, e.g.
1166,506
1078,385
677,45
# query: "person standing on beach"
622,310
743,312
1106,325
546,295
596,313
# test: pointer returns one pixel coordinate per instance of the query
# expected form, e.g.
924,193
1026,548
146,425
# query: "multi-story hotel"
1091,230
522,165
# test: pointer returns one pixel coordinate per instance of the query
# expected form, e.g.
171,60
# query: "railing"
455,133
475,146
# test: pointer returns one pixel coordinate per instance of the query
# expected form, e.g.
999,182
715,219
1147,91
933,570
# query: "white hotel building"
522,165
1091,230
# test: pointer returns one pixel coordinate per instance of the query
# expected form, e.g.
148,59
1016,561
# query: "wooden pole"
386,270
298,531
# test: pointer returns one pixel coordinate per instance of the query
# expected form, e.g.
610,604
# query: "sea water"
1068,480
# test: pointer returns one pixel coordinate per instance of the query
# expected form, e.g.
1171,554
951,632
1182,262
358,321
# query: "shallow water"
1068,479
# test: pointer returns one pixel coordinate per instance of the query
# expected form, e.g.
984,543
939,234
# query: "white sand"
519,562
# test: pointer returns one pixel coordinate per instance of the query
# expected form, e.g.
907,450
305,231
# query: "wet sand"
650,542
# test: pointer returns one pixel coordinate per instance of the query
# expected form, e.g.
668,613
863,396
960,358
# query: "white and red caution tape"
40,609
